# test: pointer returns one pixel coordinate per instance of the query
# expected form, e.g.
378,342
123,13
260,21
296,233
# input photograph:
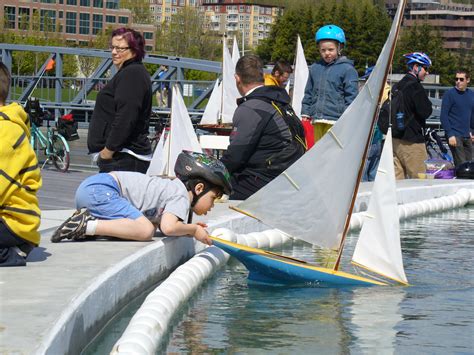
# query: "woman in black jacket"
118,130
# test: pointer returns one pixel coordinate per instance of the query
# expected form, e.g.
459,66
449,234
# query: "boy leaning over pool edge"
131,205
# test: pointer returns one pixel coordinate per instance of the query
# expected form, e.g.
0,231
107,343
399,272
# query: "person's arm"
423,106
129,94
244,139
170,225
307,98
351,85
444,118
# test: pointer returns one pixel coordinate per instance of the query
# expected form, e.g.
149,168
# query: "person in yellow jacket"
20,179
280,74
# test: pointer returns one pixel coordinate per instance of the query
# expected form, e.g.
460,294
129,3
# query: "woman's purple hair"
134,40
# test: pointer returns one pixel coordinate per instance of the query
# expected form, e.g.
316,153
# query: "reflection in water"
374,317
433,315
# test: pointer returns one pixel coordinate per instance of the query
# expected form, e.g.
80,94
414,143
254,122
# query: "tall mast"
219,119
361,167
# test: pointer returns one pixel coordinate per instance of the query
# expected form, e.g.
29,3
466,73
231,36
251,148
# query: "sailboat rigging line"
168,140
243,212
378,272
292,182
333,135
364,156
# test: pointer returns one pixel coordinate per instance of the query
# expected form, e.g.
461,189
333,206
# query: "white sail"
316,191
157,161
213,107
182,135
301,77
378,247
235,51
230,94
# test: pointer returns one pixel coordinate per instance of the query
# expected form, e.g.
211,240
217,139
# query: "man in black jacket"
409,150
267,136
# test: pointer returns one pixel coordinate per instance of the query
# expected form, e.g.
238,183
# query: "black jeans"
122,162
9,240
244,186
462,151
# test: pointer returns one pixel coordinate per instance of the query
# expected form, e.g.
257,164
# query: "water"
434,315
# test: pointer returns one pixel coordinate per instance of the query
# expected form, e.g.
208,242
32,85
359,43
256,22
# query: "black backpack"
394,112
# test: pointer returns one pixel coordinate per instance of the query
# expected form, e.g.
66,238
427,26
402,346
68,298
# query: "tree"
140,10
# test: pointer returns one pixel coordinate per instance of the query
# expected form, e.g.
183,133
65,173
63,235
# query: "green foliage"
140,10
186,35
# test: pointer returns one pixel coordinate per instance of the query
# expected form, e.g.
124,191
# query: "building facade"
77,21
454,20
249,22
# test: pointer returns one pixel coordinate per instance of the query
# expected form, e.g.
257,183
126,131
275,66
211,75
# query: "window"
71,22
111,4
85,3
148,35
97,23
48,20
110,19
123,20
10,14
23,18
148,48
71,2
84,24
99,4
61,14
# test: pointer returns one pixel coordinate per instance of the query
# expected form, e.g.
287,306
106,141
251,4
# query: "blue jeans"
372,162
101,195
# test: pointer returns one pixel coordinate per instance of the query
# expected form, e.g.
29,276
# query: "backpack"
394,112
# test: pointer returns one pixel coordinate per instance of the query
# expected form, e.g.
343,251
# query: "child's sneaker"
74,227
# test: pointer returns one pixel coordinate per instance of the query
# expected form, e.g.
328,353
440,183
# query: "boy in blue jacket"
332,83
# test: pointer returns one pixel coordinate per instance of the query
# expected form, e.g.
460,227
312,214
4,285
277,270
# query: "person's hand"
452,141
106,154
201,234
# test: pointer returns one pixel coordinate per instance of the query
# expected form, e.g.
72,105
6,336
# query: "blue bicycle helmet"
418,58
331,32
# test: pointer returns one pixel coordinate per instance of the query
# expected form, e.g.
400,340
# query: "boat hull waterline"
269,268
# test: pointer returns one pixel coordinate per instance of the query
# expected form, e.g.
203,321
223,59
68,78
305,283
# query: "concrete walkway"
34,299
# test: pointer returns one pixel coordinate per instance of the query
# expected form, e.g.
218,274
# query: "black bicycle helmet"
192,165
465,170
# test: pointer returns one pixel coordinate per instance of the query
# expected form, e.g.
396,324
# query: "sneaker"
74,227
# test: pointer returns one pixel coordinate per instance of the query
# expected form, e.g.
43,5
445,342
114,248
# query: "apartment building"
78,21
454,20
250,22
161,10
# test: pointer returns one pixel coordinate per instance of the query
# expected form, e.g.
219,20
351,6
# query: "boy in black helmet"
131,205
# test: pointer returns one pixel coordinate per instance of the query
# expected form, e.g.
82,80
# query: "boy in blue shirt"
457,118
332,83
131,205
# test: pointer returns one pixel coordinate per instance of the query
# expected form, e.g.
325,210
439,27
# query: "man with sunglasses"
409,150
457,118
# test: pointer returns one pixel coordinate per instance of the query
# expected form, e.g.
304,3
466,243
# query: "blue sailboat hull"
270,268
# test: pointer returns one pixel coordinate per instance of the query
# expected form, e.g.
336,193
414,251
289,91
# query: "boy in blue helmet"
409,150
332,83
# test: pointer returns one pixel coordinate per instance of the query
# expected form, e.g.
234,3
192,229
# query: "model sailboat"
223,100
181,137
319,192
301,77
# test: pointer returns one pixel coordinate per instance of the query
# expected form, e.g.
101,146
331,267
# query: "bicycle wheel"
60,152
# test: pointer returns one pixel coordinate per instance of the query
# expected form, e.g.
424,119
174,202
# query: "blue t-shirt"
457,113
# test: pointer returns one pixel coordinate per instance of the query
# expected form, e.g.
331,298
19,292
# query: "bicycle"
53,145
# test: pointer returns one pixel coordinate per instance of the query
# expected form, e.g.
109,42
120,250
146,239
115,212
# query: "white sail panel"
212,110
301,77
315,192
230,93
157,161
182,135
378,247
235,52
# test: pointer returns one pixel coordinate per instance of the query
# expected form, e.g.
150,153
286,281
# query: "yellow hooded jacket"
270,80
20,176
